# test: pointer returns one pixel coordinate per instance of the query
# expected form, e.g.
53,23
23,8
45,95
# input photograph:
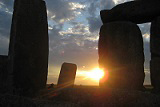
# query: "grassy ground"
84,96
49,91
94,96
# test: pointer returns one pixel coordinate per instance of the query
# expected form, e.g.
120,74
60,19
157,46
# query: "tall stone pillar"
28,49
155,53
3,73
67,75
121,55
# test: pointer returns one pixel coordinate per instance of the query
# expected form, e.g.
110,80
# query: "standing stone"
121,55
28,49
155,53
67,75
141,11
3,72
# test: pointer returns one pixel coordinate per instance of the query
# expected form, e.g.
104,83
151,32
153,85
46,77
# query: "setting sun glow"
95,74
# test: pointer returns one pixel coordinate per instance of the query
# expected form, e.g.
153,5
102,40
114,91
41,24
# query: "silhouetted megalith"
67,75
28,49
135,11
121,54
3,72
155,53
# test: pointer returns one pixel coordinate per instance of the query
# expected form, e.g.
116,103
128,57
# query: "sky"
73,35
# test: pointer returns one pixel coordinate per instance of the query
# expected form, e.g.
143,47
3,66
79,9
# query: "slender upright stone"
3,72
67,75
140,11
155,53
28,49
121,55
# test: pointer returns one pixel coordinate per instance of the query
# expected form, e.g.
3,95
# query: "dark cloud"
76,41
94,20
75,48
72,46
5,23
106,4
5,16
62,10
94,23
7,4
59,8
92,9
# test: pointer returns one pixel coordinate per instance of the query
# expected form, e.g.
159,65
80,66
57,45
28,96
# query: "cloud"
121,1
73,32
92,9
5,25
107,4
94,23
94,20
61,11
6,5
78,28
76,44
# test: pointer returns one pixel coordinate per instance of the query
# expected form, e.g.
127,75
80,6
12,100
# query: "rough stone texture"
121,55
155,53
134,11
28,49
3,72
67,75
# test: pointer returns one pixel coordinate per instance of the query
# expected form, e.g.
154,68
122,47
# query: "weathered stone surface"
134,11
155,37
67,75
155,46
121,55
28,49
155,72
3,72
155,53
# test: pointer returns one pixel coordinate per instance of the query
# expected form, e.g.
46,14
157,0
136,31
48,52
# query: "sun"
95,74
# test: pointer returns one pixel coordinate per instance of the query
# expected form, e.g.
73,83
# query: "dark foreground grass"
84,96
